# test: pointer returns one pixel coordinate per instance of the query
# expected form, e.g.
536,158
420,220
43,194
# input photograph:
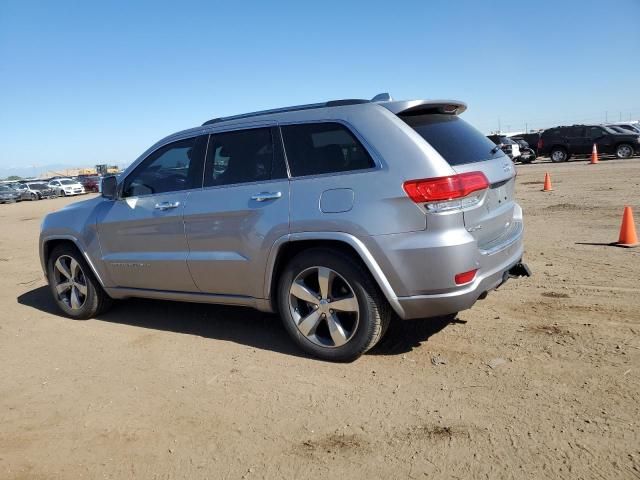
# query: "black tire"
34,196
558,154
96,300
374,311
624,151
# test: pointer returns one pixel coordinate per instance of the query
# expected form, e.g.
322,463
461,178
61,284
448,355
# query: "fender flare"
73,239
352,241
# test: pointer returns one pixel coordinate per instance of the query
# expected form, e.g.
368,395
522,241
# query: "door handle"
264,196
167,205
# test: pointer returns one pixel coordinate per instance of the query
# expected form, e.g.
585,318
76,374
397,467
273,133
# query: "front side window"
317,148
171,168
239,156
596,132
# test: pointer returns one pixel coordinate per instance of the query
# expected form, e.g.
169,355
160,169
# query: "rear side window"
317,148
239,156
453,138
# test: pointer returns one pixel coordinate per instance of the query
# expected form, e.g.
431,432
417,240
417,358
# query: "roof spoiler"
419,107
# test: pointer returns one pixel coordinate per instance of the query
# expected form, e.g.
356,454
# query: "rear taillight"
446,193
540,143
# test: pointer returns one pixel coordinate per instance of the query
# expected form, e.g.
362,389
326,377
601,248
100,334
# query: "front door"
142,232
232,223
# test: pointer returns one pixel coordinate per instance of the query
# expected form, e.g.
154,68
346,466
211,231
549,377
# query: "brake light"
465,277
443,189
540,143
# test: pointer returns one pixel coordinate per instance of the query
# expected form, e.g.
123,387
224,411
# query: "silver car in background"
340,216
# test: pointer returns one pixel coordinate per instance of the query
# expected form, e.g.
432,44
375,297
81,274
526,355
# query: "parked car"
8,194
629,127
90,183
561,143
530,138
339,215
508,146
527,155
66,186
22,189
39,190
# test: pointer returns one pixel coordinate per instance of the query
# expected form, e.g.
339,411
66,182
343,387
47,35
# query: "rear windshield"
453,138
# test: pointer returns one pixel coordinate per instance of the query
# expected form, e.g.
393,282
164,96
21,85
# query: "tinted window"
453,138
238,157
595,132
171,168
316,148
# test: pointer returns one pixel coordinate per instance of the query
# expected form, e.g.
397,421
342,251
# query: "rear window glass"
317,148
453,138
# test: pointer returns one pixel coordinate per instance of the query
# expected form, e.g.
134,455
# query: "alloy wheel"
558,156
624,151
70,282
324,307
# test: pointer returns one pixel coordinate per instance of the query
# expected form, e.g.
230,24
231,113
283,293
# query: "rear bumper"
421,306
421,267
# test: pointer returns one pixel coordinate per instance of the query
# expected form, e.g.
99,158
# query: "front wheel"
624,151
330,305
74,287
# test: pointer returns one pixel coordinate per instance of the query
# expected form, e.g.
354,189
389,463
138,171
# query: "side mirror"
109,187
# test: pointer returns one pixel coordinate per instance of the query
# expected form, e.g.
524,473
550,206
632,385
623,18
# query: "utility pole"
526,127
499,127
606,116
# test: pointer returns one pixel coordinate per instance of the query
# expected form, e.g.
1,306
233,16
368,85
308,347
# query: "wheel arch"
290,245
49,243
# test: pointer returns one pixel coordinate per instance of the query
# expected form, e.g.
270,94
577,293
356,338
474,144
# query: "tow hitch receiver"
518,270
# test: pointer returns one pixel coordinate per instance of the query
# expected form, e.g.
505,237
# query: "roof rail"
331,103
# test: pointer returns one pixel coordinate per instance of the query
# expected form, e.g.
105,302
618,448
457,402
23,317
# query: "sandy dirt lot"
540,380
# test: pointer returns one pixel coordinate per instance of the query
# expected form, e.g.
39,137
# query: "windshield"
4,189
67,182
37,186
457,141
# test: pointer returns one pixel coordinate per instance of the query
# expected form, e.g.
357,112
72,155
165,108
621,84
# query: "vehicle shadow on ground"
235,324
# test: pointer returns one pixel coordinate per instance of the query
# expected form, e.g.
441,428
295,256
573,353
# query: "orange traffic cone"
628,236
547,183
594,154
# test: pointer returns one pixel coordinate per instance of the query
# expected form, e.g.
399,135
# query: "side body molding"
347,238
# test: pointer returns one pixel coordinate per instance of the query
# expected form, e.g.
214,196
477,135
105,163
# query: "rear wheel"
74,287
624,150
330,306
559,154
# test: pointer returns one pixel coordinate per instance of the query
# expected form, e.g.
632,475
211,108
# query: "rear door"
579,140
232,223
467,150
142,233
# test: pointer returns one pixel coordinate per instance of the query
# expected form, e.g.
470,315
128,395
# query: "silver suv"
340,216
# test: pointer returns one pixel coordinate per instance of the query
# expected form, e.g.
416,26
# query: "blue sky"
91,82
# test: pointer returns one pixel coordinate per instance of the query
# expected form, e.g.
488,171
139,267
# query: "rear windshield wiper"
496,148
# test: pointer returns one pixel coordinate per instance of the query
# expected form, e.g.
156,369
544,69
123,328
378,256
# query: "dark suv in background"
560,143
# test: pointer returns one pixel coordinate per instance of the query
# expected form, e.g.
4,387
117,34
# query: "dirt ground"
540,380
